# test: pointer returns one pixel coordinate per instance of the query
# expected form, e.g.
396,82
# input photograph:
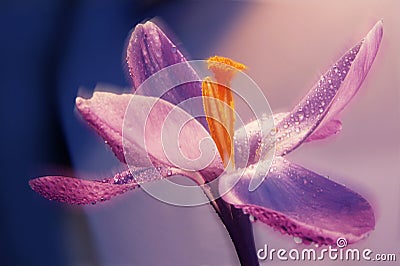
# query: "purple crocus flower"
292,199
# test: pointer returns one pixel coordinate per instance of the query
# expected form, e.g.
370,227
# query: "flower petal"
149,125
330,95
169,136
332,127
80,191
325,130
256,135
358,71
253,142
301,203
105,112
150,50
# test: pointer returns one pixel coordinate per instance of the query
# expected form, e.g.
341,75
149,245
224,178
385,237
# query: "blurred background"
50,50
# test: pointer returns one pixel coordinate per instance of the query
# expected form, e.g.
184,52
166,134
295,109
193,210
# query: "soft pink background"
287,45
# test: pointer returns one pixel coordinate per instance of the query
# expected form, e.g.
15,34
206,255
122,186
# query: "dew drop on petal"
301,116
251,218
297,240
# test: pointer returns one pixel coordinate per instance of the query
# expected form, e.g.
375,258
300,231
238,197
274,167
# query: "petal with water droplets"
330,95
332,127
149,130
79,191
168,135
105,113
325,130
255,135
149,51
301,203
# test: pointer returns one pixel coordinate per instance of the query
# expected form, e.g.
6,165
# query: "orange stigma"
219,105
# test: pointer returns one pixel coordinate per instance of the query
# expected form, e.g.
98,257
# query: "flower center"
219,105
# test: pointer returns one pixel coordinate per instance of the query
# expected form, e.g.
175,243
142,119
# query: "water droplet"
169,173
251,218
321,110
297,240
158,52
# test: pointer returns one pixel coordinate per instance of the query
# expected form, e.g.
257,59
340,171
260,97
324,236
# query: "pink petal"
105,113
169,135
327,129
301,203
254,136
79,191
324,131
330,95
149,51
155,131
358,71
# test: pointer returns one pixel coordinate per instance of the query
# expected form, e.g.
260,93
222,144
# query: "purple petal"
252,143
105,113
149,50
358,71
169,136
325,130
255,136
301,203
155,131
330,95
78,191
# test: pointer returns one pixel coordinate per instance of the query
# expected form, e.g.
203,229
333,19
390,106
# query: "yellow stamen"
219,105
